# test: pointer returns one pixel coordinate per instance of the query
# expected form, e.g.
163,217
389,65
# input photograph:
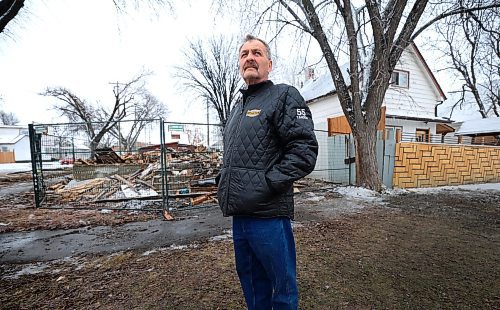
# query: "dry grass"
412,256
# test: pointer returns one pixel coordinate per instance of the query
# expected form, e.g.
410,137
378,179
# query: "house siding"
420,98
324,108
22,149
410,126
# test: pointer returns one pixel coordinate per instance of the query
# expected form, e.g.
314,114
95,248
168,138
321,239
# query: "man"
269,143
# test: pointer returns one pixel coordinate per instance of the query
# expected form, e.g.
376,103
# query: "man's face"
254,62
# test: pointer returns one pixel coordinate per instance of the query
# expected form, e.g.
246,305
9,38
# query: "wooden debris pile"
191,172
108,156
15,177
190,176
111,188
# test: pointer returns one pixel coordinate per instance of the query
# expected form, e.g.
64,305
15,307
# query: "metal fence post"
163,168
36,165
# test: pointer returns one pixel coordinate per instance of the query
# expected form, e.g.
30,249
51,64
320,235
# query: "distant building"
15,139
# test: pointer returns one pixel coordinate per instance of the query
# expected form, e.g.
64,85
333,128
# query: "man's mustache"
250,64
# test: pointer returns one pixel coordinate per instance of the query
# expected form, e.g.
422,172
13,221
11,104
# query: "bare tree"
9,9
146,109
372,35
472,47
7,118
211,72
97,122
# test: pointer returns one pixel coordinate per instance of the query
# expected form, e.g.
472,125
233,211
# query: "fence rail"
448,139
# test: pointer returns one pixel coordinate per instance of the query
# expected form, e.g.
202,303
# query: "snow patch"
468,187
29,269
226,235
314,197
357,193
147,253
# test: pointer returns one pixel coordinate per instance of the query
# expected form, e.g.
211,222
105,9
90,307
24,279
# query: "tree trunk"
93,147
367,175
8,11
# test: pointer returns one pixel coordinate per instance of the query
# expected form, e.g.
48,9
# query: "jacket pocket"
250,188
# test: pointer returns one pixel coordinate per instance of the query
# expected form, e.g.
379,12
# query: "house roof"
11,139
13,126
419,118
429,72
324,86
480,127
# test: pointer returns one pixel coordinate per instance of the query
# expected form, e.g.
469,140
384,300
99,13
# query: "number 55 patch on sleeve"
301,113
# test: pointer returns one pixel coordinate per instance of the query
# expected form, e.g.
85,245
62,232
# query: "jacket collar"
251,90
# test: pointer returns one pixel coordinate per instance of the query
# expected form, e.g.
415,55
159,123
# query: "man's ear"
270,68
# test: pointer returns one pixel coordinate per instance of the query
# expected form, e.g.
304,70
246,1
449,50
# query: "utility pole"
208,125
116,92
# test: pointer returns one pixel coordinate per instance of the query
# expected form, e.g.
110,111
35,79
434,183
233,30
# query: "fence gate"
338,154
35,135
342,161
122,171
162,166
388,145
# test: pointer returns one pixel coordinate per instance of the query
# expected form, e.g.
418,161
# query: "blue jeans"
266,262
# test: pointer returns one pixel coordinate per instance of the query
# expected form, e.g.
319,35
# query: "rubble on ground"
189,180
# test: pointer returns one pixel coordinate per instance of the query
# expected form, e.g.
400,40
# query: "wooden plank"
7,157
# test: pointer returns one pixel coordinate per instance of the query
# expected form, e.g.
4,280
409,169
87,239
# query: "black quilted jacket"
269,143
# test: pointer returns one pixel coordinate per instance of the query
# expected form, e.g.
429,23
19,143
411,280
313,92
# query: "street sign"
175,127
40,129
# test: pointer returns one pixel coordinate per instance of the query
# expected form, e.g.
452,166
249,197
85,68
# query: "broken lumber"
121,179
198,200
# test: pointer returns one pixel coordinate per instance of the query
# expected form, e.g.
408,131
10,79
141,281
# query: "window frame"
398,71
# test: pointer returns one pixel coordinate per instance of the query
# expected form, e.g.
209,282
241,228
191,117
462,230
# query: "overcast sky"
84,45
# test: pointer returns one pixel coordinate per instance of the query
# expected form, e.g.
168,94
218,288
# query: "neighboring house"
410,104
15,139
479,131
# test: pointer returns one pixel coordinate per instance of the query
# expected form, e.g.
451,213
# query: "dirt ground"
434,250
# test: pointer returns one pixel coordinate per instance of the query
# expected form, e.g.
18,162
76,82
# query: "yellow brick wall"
430,165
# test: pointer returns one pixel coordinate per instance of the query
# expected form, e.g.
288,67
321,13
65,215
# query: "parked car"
66,161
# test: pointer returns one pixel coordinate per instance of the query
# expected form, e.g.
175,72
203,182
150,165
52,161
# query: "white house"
411,102
15,139
479,131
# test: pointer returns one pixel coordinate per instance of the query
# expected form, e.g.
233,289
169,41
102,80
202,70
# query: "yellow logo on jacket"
253,113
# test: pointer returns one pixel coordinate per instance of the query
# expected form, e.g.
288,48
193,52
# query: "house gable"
413,106
423,93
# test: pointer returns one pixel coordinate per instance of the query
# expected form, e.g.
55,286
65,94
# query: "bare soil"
408,251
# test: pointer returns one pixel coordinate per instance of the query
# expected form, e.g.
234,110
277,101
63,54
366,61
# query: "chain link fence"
149,165
140,165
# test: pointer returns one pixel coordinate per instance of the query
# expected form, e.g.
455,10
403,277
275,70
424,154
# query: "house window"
175,136
422,135
400,78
